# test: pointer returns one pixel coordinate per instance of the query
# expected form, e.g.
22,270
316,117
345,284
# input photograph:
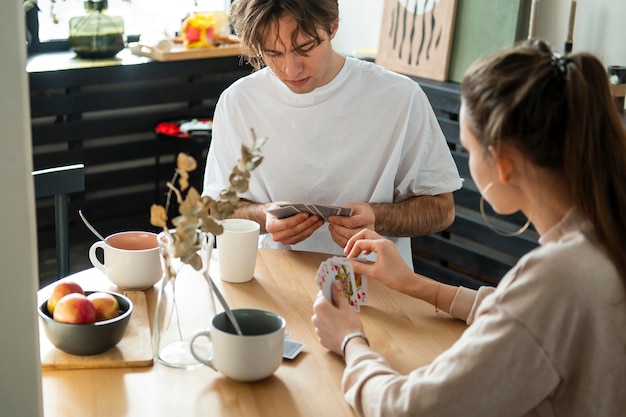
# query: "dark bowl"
87,339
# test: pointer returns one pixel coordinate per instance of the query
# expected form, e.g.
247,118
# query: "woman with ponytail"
544,138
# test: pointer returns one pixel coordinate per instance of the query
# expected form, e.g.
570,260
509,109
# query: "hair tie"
559,63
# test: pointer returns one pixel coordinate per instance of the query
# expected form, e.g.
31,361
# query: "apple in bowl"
85,338
105,305
60,290
74,308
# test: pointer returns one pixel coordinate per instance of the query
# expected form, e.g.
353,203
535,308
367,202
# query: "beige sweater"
550,340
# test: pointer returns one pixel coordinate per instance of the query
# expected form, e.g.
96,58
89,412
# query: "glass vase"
185,304
96,34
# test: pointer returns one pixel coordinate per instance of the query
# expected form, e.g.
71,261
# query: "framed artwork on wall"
483,27
416,37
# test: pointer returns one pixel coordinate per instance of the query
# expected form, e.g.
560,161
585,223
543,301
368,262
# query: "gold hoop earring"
490,226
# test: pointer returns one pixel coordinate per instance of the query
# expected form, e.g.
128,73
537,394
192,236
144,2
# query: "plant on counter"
190,243
202,212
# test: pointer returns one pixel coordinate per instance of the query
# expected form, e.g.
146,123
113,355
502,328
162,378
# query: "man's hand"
291,230
342,228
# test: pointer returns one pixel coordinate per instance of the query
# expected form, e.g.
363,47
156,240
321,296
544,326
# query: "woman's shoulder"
564,277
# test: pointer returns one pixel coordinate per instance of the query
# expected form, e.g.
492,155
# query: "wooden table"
407,331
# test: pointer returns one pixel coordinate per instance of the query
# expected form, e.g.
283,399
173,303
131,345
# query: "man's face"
300,73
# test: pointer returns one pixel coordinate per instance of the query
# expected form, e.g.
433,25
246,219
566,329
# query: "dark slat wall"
468,253
104,117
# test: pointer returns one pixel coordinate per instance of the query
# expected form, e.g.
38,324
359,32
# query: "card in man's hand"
339,269
322,210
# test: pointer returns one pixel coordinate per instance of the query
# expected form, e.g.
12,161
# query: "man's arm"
246,209
417,216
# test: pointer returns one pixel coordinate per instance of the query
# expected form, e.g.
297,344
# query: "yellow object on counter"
202,28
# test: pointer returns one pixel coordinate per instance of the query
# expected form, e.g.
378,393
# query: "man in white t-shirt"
340,131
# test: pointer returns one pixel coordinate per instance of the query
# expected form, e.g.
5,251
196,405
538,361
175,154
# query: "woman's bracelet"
351,336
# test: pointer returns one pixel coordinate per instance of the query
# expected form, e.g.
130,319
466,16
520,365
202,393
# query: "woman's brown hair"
560,113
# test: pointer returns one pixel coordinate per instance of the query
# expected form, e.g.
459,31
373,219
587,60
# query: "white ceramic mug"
237,249
131,259
255,355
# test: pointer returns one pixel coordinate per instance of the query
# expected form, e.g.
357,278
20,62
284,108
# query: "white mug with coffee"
254,355
131,259
237,249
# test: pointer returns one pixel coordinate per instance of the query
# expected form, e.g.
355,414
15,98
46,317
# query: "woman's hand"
333,322
389,268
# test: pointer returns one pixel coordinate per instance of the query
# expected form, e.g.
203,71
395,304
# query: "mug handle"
94,259
202,333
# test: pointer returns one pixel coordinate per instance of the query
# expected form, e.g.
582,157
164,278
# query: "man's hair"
253,21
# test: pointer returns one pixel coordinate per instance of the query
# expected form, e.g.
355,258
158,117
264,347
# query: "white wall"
598,27
20,377
359,25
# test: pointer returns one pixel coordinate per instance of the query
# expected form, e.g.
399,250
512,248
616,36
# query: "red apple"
62,289
106,305
74,308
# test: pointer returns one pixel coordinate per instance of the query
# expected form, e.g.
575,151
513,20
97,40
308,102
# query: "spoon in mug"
227,310
89,226
220,297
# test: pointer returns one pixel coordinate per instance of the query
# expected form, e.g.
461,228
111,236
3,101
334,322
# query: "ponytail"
595,154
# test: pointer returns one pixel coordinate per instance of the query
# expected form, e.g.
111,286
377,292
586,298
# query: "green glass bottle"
96,34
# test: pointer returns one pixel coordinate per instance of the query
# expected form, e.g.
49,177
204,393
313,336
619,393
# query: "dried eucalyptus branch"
203,212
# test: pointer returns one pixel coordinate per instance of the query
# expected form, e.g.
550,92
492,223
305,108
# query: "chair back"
59,182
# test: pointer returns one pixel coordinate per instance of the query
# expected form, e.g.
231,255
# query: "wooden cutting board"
134,350
180,52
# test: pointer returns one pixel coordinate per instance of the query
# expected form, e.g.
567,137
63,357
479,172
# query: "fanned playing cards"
339,269
324,211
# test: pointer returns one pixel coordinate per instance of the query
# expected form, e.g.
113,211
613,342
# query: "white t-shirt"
368,135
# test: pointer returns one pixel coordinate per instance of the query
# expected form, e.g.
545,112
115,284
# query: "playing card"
346,268
361,288
360,281
326,211
344,211
324,280
284,211
332,270
342,271
303,208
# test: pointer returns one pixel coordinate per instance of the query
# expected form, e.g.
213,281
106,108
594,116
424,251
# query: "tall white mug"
237,249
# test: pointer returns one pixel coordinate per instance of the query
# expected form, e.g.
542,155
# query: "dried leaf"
183,181
186,162
158,216
192,204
